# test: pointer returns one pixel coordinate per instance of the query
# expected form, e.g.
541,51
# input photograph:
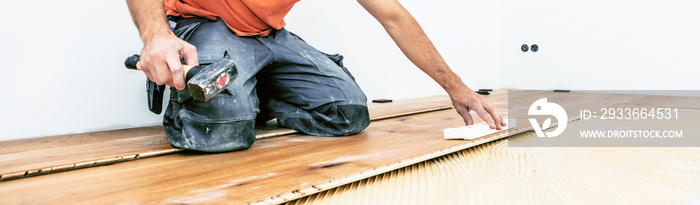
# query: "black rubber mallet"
203,82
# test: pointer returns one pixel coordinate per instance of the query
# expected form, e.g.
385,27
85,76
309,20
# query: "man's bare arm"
162,50
413,42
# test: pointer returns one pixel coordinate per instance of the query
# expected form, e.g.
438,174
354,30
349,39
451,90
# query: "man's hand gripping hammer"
203,82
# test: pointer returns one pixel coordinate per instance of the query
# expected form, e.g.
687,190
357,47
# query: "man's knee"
352,119
329,120
212,137
342,120
223,123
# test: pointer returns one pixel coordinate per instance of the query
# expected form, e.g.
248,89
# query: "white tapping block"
475,131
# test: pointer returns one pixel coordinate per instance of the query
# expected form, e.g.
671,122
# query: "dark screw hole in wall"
533,48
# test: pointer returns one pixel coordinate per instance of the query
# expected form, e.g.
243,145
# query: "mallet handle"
132,62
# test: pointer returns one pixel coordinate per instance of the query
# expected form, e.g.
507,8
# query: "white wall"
64,72
465,32
601,44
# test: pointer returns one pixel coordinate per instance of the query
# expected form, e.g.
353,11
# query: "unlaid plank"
28,157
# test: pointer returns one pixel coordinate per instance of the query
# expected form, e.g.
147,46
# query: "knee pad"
352,119
330,120
212,137
221,124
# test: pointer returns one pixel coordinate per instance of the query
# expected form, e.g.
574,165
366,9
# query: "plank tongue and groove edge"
30,157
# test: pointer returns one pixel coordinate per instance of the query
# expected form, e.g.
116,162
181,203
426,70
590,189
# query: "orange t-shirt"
244,17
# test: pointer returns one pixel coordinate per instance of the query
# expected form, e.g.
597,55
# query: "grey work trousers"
279,76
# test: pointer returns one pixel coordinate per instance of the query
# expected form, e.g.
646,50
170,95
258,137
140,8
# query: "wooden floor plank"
28,157
238,170
24,145
291,162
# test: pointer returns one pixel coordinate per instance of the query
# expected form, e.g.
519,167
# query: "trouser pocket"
338,59
185,27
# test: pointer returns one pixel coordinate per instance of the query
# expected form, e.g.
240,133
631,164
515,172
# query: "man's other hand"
160,59
466,100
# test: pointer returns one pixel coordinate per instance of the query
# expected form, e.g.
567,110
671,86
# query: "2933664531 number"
639,113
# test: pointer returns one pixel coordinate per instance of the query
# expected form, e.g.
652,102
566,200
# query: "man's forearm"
149,17
414,43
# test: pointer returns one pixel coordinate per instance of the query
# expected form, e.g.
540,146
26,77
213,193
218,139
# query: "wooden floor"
84,150
21,158
274,169
278,168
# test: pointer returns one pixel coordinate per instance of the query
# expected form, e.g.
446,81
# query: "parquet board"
29,157
280,168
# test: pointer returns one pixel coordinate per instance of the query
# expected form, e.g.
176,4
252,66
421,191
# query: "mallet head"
210,80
